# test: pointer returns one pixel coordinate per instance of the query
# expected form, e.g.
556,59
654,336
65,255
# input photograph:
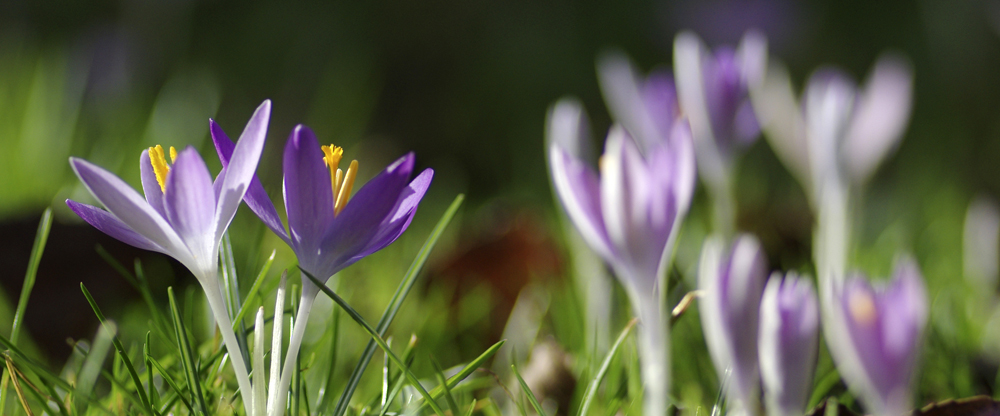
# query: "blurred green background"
466,85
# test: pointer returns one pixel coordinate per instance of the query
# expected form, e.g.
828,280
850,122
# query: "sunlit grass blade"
187,356
254,289
41,236
378,339
439,374
121,351
469,368
591,392
527,392
398,383
472,408
396,302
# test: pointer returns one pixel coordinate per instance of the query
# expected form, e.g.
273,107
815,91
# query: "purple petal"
240,170
150,187
684,174
396,223
623,95
358,224
788,341
579,189
256,197
125,204
108,224
308,193
190,203
881,116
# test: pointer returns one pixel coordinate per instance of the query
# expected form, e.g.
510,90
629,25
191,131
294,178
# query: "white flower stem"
654,355
277,323
309,292
259,376
215,301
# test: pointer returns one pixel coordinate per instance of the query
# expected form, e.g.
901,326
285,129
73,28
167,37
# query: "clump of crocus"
733,282
328,228
629,211
184,214
788,343
875,334
839,129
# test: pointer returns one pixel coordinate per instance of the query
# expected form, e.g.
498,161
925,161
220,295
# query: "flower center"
862,307
341,182
159,162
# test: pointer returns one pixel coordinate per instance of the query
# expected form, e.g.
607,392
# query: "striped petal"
108,224
240,169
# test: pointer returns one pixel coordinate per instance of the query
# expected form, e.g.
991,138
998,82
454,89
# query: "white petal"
241,168
882,113
781,119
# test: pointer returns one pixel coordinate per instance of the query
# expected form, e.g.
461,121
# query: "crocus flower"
874,335
327,227
714,92
839,131
184,214
788,343
629,214
733,282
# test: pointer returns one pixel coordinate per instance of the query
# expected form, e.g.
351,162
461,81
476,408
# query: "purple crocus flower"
714,93
788,342
328,228
733,282
875,337
630,212
184,214
840,132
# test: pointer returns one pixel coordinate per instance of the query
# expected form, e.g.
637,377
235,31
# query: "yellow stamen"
862,307
332,157
345,187
173,155
160,167
338,180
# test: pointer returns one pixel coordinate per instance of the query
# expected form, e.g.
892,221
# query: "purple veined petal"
788,343
108,224
616,192
566,126
256,197
880,118
780,116
125,204
241,167
190,205
308,193
579,189
620,85
217,184
150,187
397,222
358,224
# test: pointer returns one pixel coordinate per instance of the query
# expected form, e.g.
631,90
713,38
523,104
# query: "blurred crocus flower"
874,335
630,212
788,343
184,214
840,132
733,282
713,87
328,228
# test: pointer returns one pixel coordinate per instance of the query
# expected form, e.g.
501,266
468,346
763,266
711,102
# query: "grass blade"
254,289
439,374
396,302
591,392
187,356
41,236
323,401
121,351
171,383
527,391
378,339
398,383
